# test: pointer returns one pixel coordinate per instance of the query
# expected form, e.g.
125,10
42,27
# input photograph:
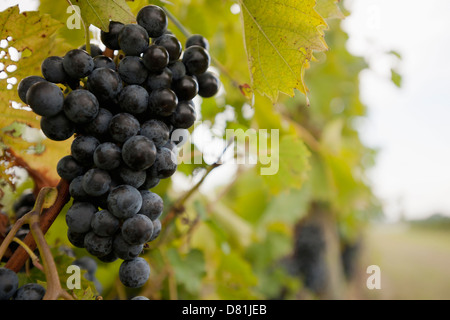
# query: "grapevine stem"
187,34
30,252
20,256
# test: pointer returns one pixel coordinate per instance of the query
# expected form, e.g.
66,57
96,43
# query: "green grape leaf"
189,270
100,12
287,165
280,38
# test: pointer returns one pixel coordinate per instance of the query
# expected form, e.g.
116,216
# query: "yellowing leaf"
33,35
328,9
99,12
280,38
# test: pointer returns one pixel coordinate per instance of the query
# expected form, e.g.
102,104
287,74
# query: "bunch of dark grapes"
309,261
123,112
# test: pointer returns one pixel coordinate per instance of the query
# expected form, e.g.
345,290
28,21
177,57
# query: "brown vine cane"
20,256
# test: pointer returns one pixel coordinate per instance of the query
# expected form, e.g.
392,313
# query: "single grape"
96,245
45,98
99,127
75,238
81,106
197,40
9,282
178,69
137,230
76,190
104,62
153,19
186,88
111,38
133,99
58,127
196,59
163,102
150,181
134,273
133,39
208,84
125,251
160,80
68,168
78,63
82,149
95,49
155,58
139,152
104,223
25,84
96,182
105,84
165,163
156,229
123,126
110,257
184,116
107,156
132,70
79,216
140,298
134,178
30,291
124,201
155,130
152,205
172,45
52,69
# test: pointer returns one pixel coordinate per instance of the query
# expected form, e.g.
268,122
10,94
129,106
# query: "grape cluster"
9,287
123,111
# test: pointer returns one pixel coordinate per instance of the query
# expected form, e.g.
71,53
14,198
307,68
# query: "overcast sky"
409,124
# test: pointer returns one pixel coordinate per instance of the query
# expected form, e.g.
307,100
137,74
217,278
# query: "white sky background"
411,124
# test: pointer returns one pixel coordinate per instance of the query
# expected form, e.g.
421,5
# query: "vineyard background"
363,176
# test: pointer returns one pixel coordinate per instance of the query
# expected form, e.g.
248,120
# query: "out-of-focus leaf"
100,12
287,165
189,270
396,78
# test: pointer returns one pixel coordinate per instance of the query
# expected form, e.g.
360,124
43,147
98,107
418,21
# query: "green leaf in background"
396,78
58,10
288,166
99,12
189,270
280,38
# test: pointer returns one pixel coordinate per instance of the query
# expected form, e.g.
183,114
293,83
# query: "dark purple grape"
111,38
196,59
132,70
172,45
155,58
133,39
78,63
153,19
